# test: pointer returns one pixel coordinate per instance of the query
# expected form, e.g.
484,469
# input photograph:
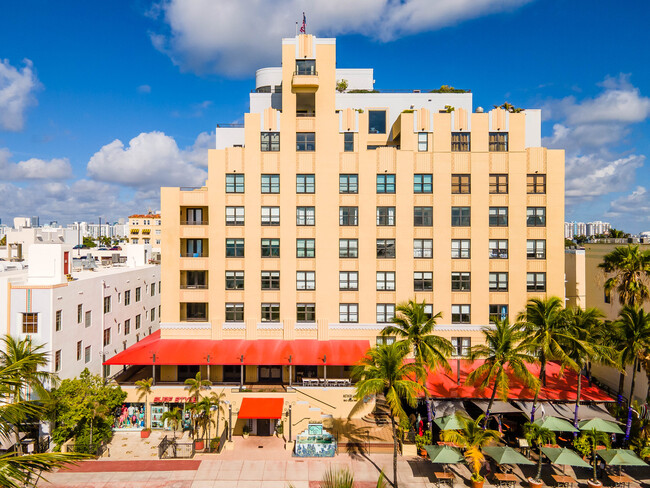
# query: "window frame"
498,142
496,217
385,313
536,184
348,145
348,281
234,312
536,253
499,313
385,216
305,141
535,218
270,183
423,141
234,218
234,279
538,286
379,129
423,216
348,181
463,217
385,280
461,281
30,322
305,216
461,184
423,281
349,313
422,248
461,142
267,249
461,249
497,184
423,186
58,320
496,251
347,214
272,142
270,312
348,248
270,216
307,279
306,250
462,315
461,346
305,183
498,281
269,280
308,313
236,246
385,183
238,184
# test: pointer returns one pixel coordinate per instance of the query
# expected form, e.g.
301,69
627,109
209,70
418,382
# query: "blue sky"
101,103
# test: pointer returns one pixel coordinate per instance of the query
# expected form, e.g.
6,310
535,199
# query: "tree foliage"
630,268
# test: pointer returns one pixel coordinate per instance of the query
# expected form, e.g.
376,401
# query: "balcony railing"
194,287
194,254
305,72
306,114
194,222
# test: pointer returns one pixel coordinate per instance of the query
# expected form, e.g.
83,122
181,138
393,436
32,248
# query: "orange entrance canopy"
269,352
261,408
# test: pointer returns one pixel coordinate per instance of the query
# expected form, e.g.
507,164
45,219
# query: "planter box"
144,434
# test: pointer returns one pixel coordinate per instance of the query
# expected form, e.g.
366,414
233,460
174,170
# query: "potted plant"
538,436
473,437
421,441
145,433
214,443
246,430
279,429
587,444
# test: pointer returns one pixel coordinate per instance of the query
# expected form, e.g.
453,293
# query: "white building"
86,318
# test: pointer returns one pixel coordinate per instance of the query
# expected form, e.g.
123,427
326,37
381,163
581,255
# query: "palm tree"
217,400
505,351
204,416
343,478
416,331
542,321
97,410
633,332
196,385
473,438
630,267
144,388
174,416
538,436
596,438
383,372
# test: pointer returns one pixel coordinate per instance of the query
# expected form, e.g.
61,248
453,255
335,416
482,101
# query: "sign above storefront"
174,400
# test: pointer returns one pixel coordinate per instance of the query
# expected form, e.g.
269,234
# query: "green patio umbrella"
565,457
449,422
600,425
620,457
444,454
506,455
556,424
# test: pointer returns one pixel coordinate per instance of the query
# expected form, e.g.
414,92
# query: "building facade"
145,229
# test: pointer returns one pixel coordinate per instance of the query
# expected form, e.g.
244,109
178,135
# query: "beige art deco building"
145,229
329,207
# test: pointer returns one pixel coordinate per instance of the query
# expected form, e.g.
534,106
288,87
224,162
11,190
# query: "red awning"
300,352
261,408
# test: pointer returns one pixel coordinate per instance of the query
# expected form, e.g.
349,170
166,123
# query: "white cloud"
235,37
144,89
16,94
198,153
33,168
591,176
151,160
636,204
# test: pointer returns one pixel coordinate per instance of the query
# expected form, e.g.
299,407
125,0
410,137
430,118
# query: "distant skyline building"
589,229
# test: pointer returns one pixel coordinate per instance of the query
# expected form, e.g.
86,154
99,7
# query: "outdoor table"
524,446
444,478
621,481
563,480
505,479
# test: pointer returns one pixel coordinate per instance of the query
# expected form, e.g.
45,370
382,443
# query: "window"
535,281
234,312
195,311
87,354
460,184
88,318
30,323
348,215
460,314
107,337
536,216
305,67
270,248
80,309
305,248
79,350
498,141
461,281
305,280
57,321
460,249
153,289
376,121
348,280
428,311
536,249
385,281
498,184
270,183
270,215
194,248
270,312
386,248
536,183
269,141
348,142
270,280
386,183
460,141
305,183
423,216
234,215
423,141
608,296
138,319
107,304
138,294
234,183
348,248
385,312
348,312
422,183
498,281
422,248
57,360
234,280
152,315
460,217
385,216
461,346
498,216
498,312
305,216
498,248
348,183
234,248
305,141
305,312
127,326
385,340
423,281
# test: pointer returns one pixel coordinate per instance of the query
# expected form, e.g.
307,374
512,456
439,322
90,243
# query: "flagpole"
296,29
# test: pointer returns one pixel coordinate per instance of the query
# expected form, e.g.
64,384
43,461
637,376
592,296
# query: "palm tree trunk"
494,394
539,465
542,369
575,415
621,385
589,372
392,421
532,411
91,435
628,427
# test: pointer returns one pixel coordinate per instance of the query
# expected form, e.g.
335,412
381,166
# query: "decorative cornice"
186,325
270,325
306,326
353,326
234,325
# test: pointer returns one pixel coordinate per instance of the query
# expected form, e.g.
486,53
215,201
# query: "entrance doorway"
270,374
264,427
